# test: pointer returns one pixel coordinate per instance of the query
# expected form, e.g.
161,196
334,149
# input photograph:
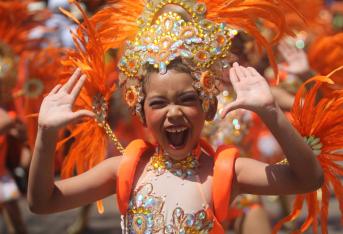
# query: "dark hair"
176,65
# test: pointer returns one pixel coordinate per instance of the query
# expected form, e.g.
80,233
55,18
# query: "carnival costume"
158,37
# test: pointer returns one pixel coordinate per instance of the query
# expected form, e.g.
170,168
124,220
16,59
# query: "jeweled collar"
160,162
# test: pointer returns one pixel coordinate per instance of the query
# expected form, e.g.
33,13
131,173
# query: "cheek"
153,118
195,113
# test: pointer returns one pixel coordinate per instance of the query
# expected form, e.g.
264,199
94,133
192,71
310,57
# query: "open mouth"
177,136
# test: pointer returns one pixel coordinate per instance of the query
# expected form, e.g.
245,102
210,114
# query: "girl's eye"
157,104
188,99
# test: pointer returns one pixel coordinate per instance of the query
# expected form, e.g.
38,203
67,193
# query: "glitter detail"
185,168
145,216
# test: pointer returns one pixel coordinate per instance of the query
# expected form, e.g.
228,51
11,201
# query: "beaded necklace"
160,163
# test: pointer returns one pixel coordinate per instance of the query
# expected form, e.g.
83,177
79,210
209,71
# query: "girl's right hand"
56,109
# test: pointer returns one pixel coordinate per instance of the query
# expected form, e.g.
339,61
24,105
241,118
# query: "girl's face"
173,112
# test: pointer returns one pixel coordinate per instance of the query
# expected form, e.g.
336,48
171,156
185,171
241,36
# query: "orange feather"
323,120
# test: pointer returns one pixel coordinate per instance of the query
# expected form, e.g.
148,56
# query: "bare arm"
303,173
44,194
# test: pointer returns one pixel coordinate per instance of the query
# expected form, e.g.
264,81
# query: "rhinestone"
178,212
139,221
190,220
202,215
163,68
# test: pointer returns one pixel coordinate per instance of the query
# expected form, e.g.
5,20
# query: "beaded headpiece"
201,44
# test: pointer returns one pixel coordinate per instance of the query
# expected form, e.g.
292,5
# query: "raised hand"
296,59
252,91
56,109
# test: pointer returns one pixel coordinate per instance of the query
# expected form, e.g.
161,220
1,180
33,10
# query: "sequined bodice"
168,204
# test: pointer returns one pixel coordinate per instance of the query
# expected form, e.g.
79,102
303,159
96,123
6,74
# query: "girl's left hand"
252,91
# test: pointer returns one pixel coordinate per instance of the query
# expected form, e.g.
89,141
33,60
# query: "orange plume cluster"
250,15
40,81
89,147
326,54
16,23
320,123
311,11
118,21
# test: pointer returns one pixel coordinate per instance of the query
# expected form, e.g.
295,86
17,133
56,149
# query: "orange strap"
126,172
223,173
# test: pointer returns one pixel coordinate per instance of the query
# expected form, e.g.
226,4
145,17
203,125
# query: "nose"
174,112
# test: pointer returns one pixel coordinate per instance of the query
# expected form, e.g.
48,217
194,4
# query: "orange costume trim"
224,160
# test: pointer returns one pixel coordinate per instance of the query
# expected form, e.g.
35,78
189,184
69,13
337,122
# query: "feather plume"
90,57
326,54
248,14
320,122
16,23
90,137
118,21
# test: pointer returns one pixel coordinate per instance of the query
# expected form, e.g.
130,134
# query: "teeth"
178,129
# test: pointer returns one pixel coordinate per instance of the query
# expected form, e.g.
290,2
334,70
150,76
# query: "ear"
212,110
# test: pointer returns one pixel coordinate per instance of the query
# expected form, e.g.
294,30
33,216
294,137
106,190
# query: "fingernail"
236,64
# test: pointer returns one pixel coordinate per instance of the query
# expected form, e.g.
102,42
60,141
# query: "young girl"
180,185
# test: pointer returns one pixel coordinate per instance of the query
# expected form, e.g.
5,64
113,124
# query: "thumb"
83,113
230,107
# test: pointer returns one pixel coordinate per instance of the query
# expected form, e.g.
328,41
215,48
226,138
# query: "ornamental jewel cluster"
199,43
185,168
145,216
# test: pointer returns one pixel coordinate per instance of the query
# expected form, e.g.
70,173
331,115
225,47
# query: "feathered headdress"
201,35
320,123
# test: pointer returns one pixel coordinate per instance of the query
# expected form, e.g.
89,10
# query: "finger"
70,83
82,113
233,78
244,71
230,107
238,71
252,71
55,89
77,88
